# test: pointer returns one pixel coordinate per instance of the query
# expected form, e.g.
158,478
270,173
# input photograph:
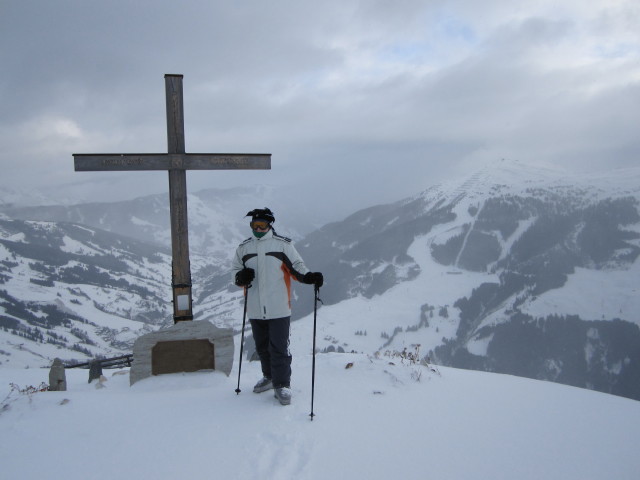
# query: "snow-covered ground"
380,418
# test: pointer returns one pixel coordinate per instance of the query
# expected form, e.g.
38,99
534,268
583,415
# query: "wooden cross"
177,162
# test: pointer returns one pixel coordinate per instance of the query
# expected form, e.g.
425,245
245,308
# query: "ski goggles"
260,225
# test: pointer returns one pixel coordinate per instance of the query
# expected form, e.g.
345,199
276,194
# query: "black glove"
245,276
314,278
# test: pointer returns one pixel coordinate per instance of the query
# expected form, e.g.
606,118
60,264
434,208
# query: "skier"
264,265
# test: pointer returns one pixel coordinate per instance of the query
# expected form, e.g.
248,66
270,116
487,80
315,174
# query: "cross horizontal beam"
95,162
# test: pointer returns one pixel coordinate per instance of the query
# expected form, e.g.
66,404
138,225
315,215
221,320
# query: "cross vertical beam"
180,268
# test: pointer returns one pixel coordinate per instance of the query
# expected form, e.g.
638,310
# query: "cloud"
398,93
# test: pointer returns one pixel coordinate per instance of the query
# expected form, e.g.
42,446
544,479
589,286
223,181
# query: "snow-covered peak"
10,196
512,177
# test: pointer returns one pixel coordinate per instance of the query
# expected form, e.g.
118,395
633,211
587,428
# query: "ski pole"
244,319
313,361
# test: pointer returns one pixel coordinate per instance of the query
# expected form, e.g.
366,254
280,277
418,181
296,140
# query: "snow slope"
399,308
381,418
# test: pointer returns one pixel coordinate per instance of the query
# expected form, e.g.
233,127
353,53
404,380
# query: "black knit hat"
262,214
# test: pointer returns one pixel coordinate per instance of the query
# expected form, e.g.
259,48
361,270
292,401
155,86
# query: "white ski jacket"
275,261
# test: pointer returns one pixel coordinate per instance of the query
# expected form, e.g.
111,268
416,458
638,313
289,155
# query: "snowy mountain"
512,269
70,291
86,280
216,216
12,197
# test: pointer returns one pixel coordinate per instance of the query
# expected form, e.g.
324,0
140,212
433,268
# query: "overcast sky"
369,100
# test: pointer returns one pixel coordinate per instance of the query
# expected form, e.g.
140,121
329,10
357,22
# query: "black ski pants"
272,344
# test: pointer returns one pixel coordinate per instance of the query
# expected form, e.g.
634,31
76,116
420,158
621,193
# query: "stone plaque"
182,356
183,347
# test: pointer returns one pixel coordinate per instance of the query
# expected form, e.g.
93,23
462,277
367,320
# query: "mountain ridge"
479,271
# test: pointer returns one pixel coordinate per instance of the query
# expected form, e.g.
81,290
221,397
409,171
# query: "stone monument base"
183,347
